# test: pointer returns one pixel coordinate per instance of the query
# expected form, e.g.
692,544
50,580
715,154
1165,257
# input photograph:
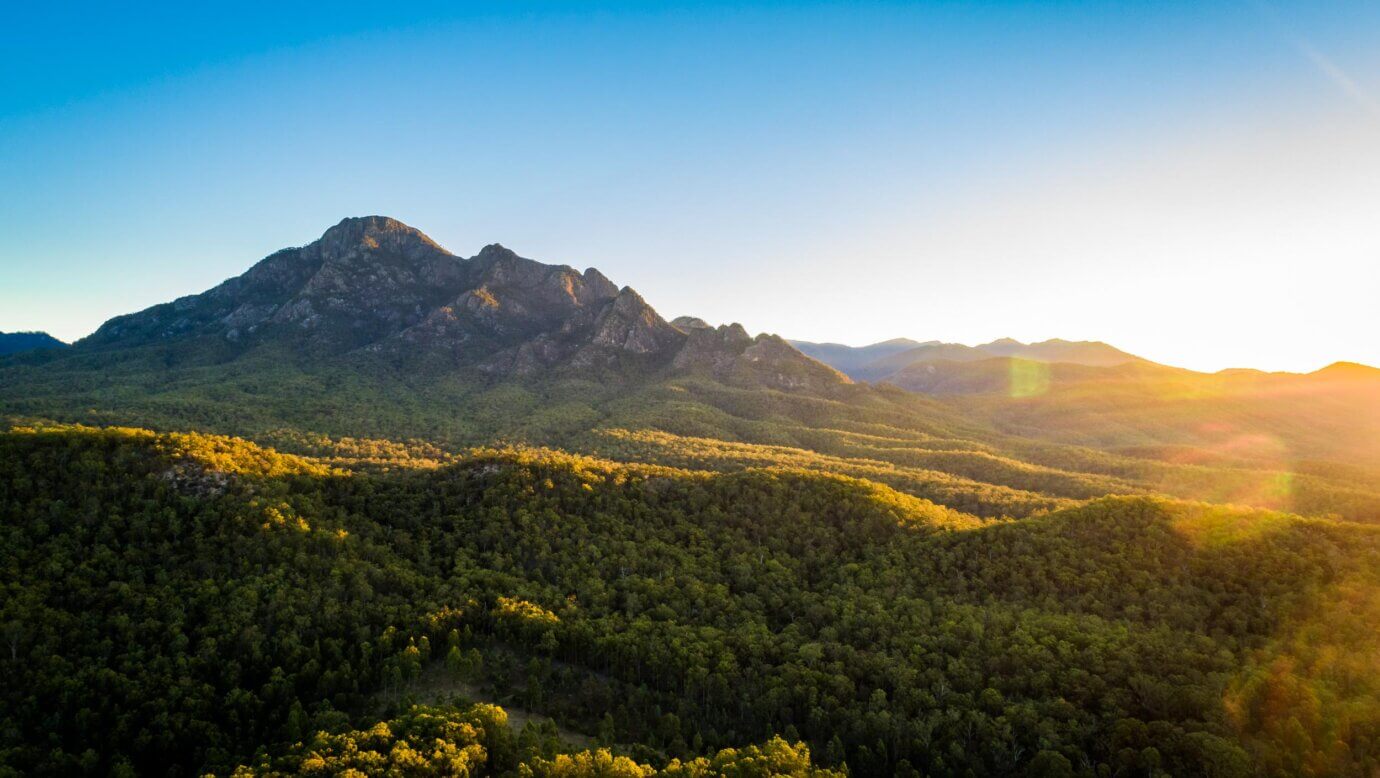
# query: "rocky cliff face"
362,280
731,355
376,285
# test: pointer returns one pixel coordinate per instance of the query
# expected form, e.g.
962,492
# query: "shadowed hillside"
17,342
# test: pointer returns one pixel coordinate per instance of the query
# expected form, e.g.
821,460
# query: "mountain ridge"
884,360
376,285
377,325
19,342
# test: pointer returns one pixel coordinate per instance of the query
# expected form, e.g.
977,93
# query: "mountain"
983,374
1074,352
882,361
375,285
376,329
884,368
850,358
15,342
687,323
1348,372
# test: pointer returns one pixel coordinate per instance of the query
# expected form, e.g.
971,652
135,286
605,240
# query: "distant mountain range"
891,359
1093,394
934,367
16,342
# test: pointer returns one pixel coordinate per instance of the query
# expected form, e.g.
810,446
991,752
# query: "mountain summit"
373,285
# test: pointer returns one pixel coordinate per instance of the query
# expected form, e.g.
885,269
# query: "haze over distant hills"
883,361
1091,393
852,359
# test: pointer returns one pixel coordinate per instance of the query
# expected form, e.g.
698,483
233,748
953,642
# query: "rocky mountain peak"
598,284
631,325
731,355
496,250
377,233
688,323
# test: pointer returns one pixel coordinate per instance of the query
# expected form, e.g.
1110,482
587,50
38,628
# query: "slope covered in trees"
180,603
1331,414
16,342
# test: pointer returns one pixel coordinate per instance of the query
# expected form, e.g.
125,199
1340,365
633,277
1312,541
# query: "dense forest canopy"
186,602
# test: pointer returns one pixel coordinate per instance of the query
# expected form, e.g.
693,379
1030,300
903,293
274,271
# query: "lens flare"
1028,379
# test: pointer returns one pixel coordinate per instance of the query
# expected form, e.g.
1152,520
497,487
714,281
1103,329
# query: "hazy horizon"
1193,183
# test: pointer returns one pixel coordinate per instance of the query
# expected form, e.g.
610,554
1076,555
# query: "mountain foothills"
372,508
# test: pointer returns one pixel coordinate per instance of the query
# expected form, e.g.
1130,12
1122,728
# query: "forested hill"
183,603
16,342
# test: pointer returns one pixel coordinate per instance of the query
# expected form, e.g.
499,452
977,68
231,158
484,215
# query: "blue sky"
1193,181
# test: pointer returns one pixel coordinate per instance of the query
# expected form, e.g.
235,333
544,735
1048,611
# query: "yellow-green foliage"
523,611
477,741
424,742
347,451
1308,702
225,454
774,759
219,453
963,494
588,764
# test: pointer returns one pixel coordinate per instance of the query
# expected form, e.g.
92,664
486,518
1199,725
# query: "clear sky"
1196,182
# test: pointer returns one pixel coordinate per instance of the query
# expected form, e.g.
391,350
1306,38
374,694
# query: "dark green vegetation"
477,740
179,602
174,602
748,566
15,342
